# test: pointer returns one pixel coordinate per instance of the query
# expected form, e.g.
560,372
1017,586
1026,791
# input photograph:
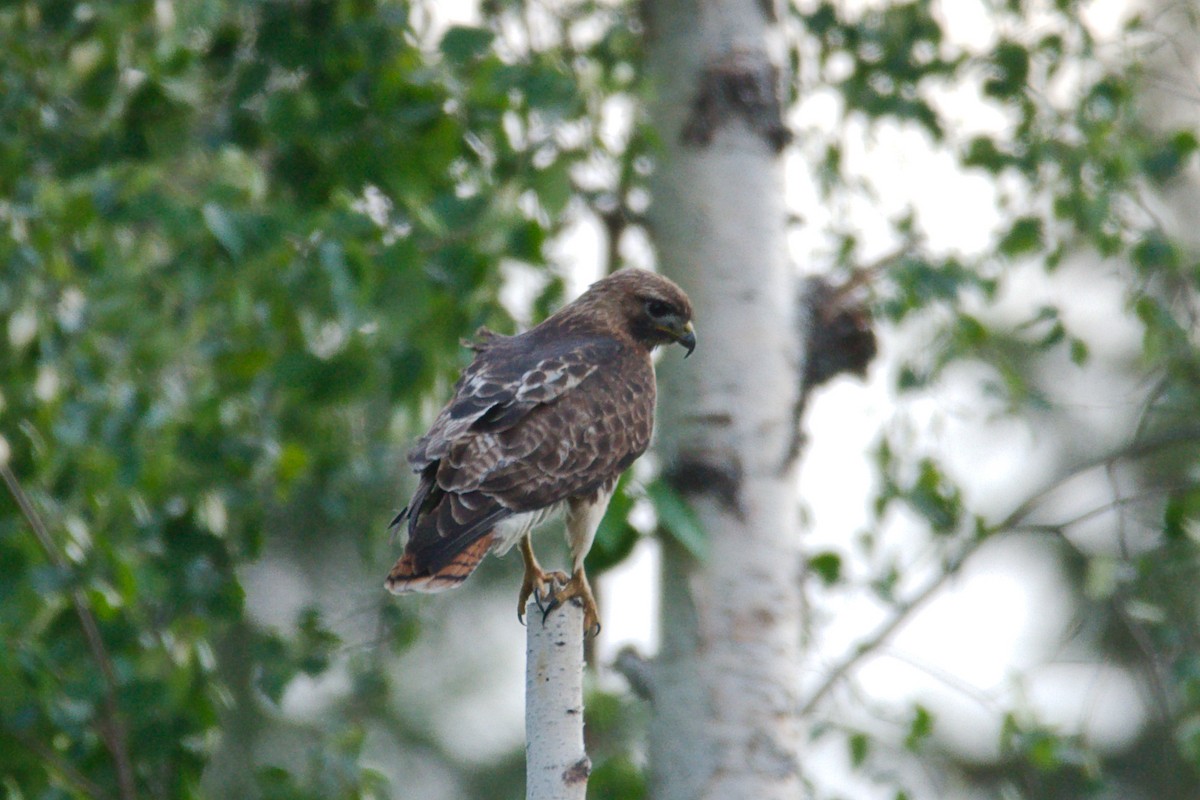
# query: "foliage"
241,242
1087,170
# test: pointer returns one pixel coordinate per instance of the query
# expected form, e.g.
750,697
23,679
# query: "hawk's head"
645,305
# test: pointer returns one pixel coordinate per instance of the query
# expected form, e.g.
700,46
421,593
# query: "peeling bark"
718,477
741,85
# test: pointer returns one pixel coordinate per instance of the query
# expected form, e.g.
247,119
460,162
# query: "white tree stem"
556,764
726,678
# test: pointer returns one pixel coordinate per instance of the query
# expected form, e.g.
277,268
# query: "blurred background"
240,243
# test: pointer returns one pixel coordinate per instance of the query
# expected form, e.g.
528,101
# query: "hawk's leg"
538,582
577,587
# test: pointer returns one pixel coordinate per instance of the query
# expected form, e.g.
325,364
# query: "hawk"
539,422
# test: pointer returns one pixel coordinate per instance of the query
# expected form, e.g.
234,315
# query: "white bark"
725,684
556,765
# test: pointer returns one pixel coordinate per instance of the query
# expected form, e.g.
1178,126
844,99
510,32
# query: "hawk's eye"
658,309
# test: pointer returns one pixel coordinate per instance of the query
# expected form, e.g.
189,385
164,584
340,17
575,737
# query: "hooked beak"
687,338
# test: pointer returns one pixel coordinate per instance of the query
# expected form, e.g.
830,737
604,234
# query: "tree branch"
556,765
66,772
884,632
112,728
1013,521
637,671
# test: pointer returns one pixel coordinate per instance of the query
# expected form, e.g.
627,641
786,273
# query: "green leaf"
1079,351
617,778
615,538
462,43
1044,750
1185,143
934,498
1156,252
919,728
1188,736
1182,511
554,187
910,379
1168,159
1024,236
1056,334
1106,98
1010,71
982,152
969,332
828,566
275,668
860,748
678,519
223,228
315,643
550,90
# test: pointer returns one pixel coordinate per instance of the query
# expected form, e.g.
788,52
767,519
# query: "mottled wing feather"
505,382
529,426
573,446
560,448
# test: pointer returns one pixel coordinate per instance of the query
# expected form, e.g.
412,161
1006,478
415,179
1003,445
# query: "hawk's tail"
409,576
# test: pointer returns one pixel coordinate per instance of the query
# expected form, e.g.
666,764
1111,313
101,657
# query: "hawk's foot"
577,588
541,585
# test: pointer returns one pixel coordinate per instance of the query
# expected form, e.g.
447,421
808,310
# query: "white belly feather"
511,530
583,518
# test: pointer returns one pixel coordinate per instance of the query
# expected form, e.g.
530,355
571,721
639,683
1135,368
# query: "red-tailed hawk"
545,420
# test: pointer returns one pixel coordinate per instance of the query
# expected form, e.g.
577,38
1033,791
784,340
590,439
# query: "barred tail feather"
409,576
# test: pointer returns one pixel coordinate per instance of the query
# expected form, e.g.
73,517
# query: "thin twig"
637,670
947,678
112,728
1137,449
1153,666
899,617
1116,504
65,770
1011,522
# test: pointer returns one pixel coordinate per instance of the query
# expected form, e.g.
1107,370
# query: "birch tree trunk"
724,687
556,765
